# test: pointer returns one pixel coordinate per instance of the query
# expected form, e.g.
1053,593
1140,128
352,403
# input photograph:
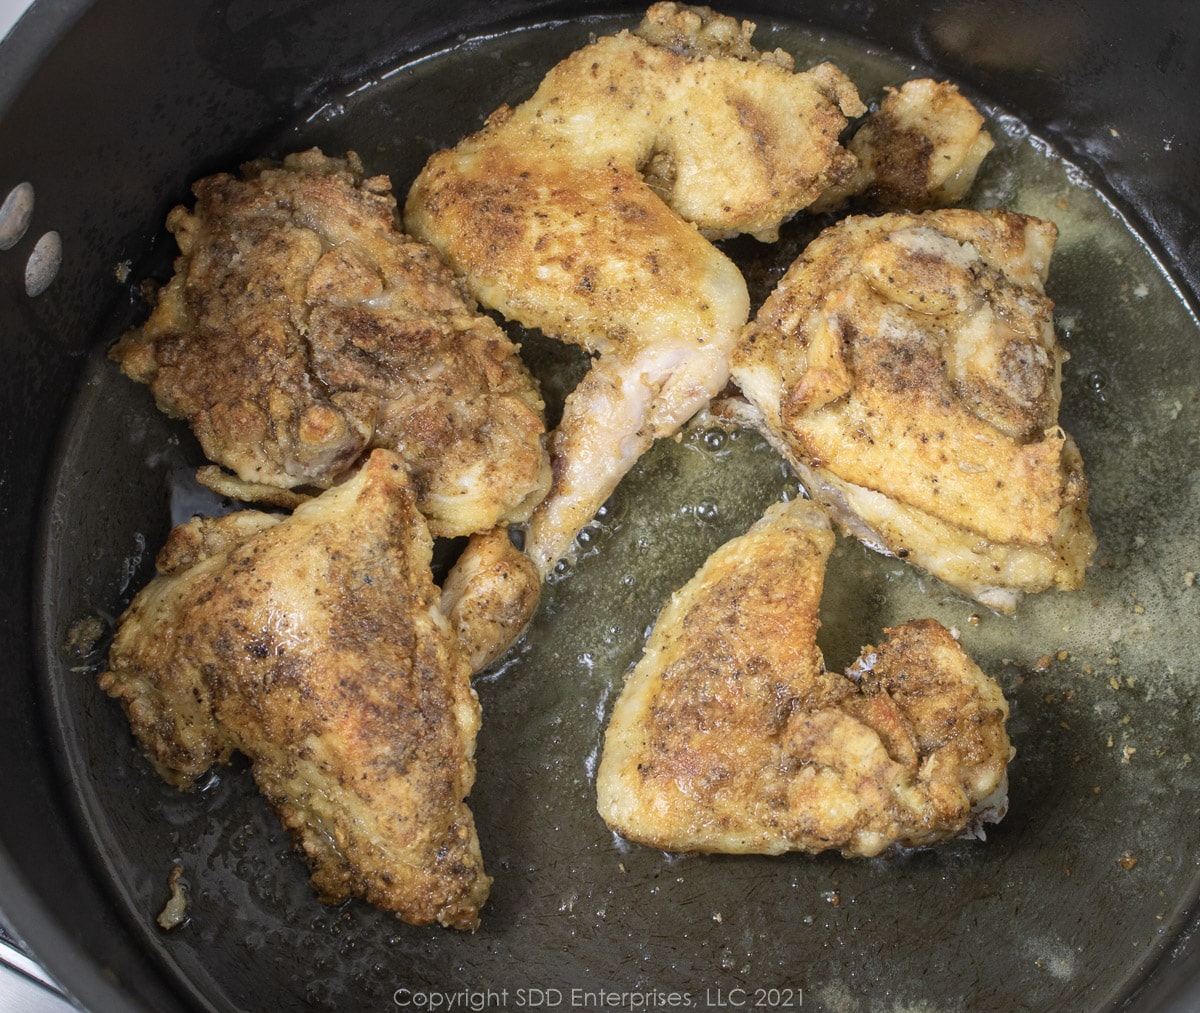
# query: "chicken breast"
922,148
314,644
731,736
303,327
584,212
907,366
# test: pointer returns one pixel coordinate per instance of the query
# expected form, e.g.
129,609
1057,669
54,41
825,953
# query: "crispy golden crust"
585,210
945,718
302,327
489,596
315,646
731,736
921,149
913,358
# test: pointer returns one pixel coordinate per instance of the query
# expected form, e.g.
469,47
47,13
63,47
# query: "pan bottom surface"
1082,888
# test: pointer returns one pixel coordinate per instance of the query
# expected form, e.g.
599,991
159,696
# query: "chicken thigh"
315,645
302,328
730,735
584,212
907,367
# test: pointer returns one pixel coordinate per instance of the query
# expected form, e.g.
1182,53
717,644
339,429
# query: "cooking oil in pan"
1102,682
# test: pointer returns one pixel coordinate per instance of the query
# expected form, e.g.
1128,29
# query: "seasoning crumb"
1062,655
175,911
1189,578
84,636
717,917
1127,861
1127,753
1043,663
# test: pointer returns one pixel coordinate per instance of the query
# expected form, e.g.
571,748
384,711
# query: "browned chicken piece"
907,367
583,212
730,735
315,645
921,149
303,327
489,596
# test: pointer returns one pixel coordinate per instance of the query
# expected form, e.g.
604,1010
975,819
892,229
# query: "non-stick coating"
1045,912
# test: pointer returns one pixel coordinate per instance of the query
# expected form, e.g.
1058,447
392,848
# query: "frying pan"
1084,898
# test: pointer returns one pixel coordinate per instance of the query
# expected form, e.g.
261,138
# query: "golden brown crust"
731,736
921,149
302,327
490,595
913,358
314,645
586,212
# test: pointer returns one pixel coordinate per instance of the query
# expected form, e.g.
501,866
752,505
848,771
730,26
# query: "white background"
10,10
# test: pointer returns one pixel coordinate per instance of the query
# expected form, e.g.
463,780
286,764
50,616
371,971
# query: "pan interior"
1083,886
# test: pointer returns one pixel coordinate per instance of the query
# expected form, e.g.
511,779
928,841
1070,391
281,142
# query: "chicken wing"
584,211
490,595
302,327
921,149
907,366
315,645
730,735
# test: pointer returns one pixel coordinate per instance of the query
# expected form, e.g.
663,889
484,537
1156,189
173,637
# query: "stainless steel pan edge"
110,133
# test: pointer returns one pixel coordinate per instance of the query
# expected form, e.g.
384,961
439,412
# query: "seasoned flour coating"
730,735
490,595
907,366
921,149
315,646
584,212
302,327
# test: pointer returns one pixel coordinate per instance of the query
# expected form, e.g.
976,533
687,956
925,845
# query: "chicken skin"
302,328
907,367
921,149
730,735
584,212
315,646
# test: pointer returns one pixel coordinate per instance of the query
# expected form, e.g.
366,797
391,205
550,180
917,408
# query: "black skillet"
1084,898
